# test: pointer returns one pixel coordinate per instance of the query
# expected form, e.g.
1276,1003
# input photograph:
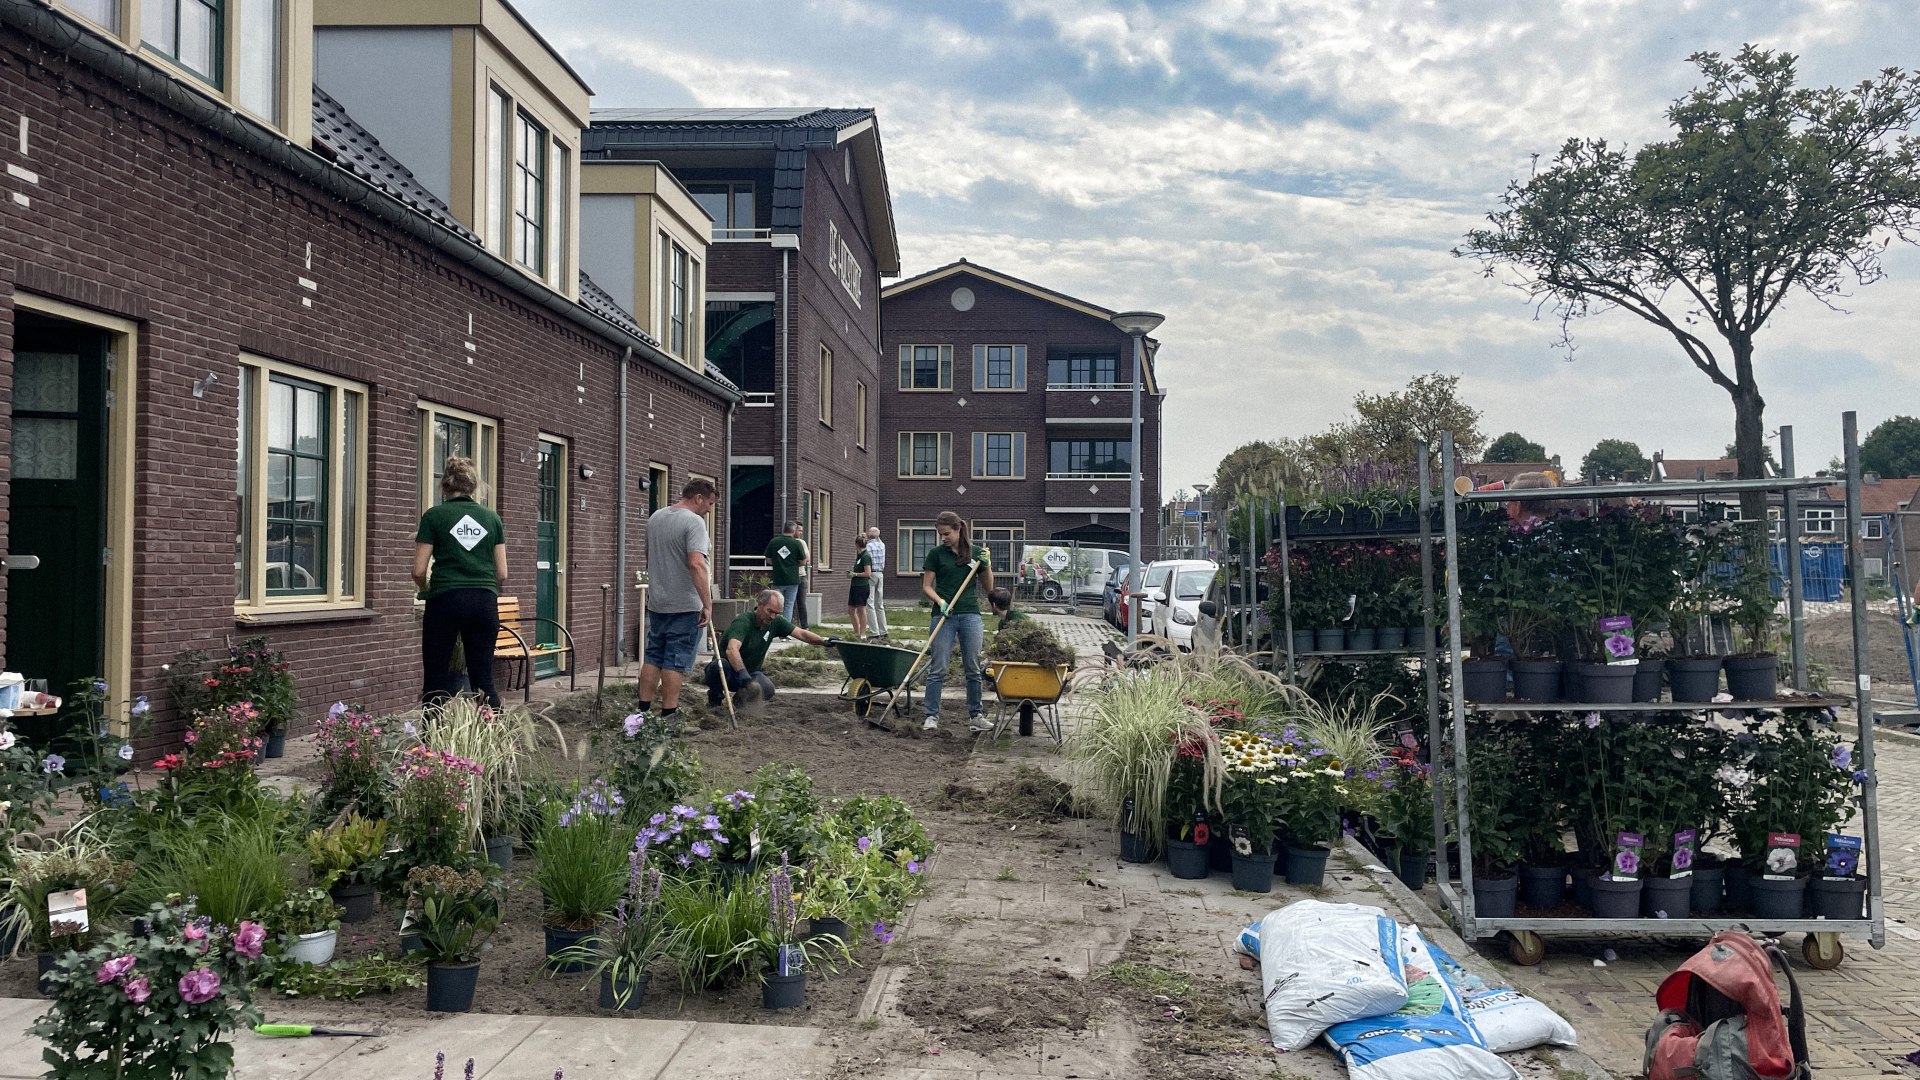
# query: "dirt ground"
1830,646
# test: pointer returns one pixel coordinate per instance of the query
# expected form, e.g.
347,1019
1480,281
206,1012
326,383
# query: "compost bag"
1322,964
1428,1038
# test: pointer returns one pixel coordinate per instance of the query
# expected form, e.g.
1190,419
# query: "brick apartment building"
1009,404
239,334
802,230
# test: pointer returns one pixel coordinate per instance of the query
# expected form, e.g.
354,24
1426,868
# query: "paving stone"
485,1038
748,1052
591,1048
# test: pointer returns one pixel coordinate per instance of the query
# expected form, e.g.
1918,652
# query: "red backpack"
1720,1017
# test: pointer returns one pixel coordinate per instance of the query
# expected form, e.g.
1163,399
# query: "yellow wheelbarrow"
1027,689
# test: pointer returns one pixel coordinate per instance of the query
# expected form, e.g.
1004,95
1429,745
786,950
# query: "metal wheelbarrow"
877,680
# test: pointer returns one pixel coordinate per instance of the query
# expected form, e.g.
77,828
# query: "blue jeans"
716,697
972,634
791,592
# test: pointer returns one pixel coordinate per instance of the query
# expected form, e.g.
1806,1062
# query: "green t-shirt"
785,553
754,639
1013,615
862,561
463,534
949,572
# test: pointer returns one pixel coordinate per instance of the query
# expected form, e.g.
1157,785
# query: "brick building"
1009,404
238,338
802,229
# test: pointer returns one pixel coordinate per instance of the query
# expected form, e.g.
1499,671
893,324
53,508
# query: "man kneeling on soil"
744,650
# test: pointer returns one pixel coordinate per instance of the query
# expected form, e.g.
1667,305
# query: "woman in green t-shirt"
464,546
862,575
954,562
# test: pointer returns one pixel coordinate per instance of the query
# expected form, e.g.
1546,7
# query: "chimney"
1699,472
1870,478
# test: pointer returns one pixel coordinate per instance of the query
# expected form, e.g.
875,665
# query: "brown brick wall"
138,209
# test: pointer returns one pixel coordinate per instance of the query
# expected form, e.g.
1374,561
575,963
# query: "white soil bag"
1506,1019
1429,1038
1322,964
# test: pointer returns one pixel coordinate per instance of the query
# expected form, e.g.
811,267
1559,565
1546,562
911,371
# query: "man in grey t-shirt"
877,551
679,600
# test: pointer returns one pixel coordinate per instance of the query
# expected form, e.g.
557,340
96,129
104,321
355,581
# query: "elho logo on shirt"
468,532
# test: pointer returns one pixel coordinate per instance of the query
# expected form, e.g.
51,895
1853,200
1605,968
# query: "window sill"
303,615
923,477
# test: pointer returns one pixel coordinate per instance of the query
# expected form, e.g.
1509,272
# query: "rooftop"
728,119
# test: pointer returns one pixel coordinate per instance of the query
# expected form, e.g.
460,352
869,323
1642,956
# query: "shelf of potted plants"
1605,574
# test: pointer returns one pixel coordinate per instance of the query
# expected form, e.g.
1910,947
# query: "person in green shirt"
956,613
744,650
1002,602
459,563
787,553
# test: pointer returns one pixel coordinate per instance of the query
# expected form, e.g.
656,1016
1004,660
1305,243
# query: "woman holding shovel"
955,574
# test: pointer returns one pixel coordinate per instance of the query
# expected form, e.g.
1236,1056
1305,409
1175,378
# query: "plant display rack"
1822,947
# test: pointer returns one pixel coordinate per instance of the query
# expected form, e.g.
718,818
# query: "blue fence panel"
1823,570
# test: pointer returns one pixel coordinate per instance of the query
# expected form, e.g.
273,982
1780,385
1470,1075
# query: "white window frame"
1818,521
1873,527
531,142
860,414
823,545
825,376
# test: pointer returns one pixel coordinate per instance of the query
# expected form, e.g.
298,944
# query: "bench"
511,645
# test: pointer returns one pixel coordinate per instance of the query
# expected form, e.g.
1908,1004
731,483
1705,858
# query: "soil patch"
1190,1026
969,1007
1028,795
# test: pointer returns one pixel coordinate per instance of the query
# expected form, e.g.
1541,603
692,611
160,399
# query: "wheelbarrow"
1027,689
877,680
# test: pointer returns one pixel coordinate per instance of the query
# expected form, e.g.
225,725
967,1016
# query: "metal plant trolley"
1822,946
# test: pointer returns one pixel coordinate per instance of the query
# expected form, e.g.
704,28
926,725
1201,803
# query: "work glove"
737,678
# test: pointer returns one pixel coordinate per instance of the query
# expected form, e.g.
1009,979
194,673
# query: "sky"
1286,179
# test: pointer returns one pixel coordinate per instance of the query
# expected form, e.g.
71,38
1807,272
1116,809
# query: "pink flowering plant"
356,746
430,814
156,1005
219,754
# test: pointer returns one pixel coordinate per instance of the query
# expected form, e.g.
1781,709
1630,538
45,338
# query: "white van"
1051,569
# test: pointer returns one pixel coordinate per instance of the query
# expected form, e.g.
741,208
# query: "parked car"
1176,603
1154,578
1110,594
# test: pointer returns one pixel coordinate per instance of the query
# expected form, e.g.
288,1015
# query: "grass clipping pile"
1028,795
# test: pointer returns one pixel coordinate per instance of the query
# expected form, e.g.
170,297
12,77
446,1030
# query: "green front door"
547,555
56,610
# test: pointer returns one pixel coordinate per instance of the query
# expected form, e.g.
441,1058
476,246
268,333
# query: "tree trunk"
1749,432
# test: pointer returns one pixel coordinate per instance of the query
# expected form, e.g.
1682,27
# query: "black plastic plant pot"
1302,641
1187,860
1709,883
1363,640
1418,637
1616,899
500,851
831,928
559,941
1253,873
1694,679
1582,885
46,967
276,744
1411,869
1666,898
1390,637
1133,848
1220,851
1329,640
1495,899
1536,680
1543,886
1778,899
1607,684
1837,898
1647,679
450,986
1752,678
1483,680
410,944
1306,865
733,873
356,900
784,991
1739,888
611,990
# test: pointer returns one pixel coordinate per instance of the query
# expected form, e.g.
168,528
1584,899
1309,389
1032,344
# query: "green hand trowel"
297,1031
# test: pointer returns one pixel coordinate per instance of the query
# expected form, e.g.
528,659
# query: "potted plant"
1312,779
1753,669
779,949
156,1004
1254,804
1802,784
255,673
827,897
1193,784
1123,751
344,858
1701,596
497,742
309,924
623,955
42,868
735,821
454,912
1406,811
431,807
355,748
1497,827
583,867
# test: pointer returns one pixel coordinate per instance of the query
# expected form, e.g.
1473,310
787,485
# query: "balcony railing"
1089,476
754,400
1083,387
720,234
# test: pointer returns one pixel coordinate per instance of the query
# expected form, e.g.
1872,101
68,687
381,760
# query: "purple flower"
711,823
440,1065
702,848
141,706
912,867
249,941
53,763
880,931
865,843
99,686
685,812
1859,776
1593,720
334,710
113,969
1626,862
137,990
718,839
633,722
1619,646
197,987
1842,756
684,860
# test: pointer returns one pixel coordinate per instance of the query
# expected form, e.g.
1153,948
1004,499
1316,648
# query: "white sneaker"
930,724
978,722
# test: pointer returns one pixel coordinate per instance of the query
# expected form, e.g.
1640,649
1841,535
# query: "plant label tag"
1201,833
793,959
1684,843
1783,856
753,842
1843,855
67,912
1626,855
1616,634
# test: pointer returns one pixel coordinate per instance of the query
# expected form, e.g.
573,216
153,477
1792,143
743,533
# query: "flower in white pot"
308,923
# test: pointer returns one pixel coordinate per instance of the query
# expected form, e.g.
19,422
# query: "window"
449,433
676,273
927,454
926,367
260,58
806,517
499,169
1873,528
826,386
186,31
530,194
1876,568
859,519
999,367
1191,584
1089,457
860,414
1078,370
729,205
105,13
1817,520
301,449
1001,539
1000,454
823,529
561,186
913,539
659,487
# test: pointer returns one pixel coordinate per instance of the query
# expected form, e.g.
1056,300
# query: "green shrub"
583,861
712,916
789,811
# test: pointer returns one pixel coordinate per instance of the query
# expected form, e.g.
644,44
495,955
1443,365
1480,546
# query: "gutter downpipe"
620,530
726,519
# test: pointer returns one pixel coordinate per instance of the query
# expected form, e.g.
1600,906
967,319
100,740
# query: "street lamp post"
1135,324
1200,521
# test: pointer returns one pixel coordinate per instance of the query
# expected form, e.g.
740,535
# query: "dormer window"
530,194
185,31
